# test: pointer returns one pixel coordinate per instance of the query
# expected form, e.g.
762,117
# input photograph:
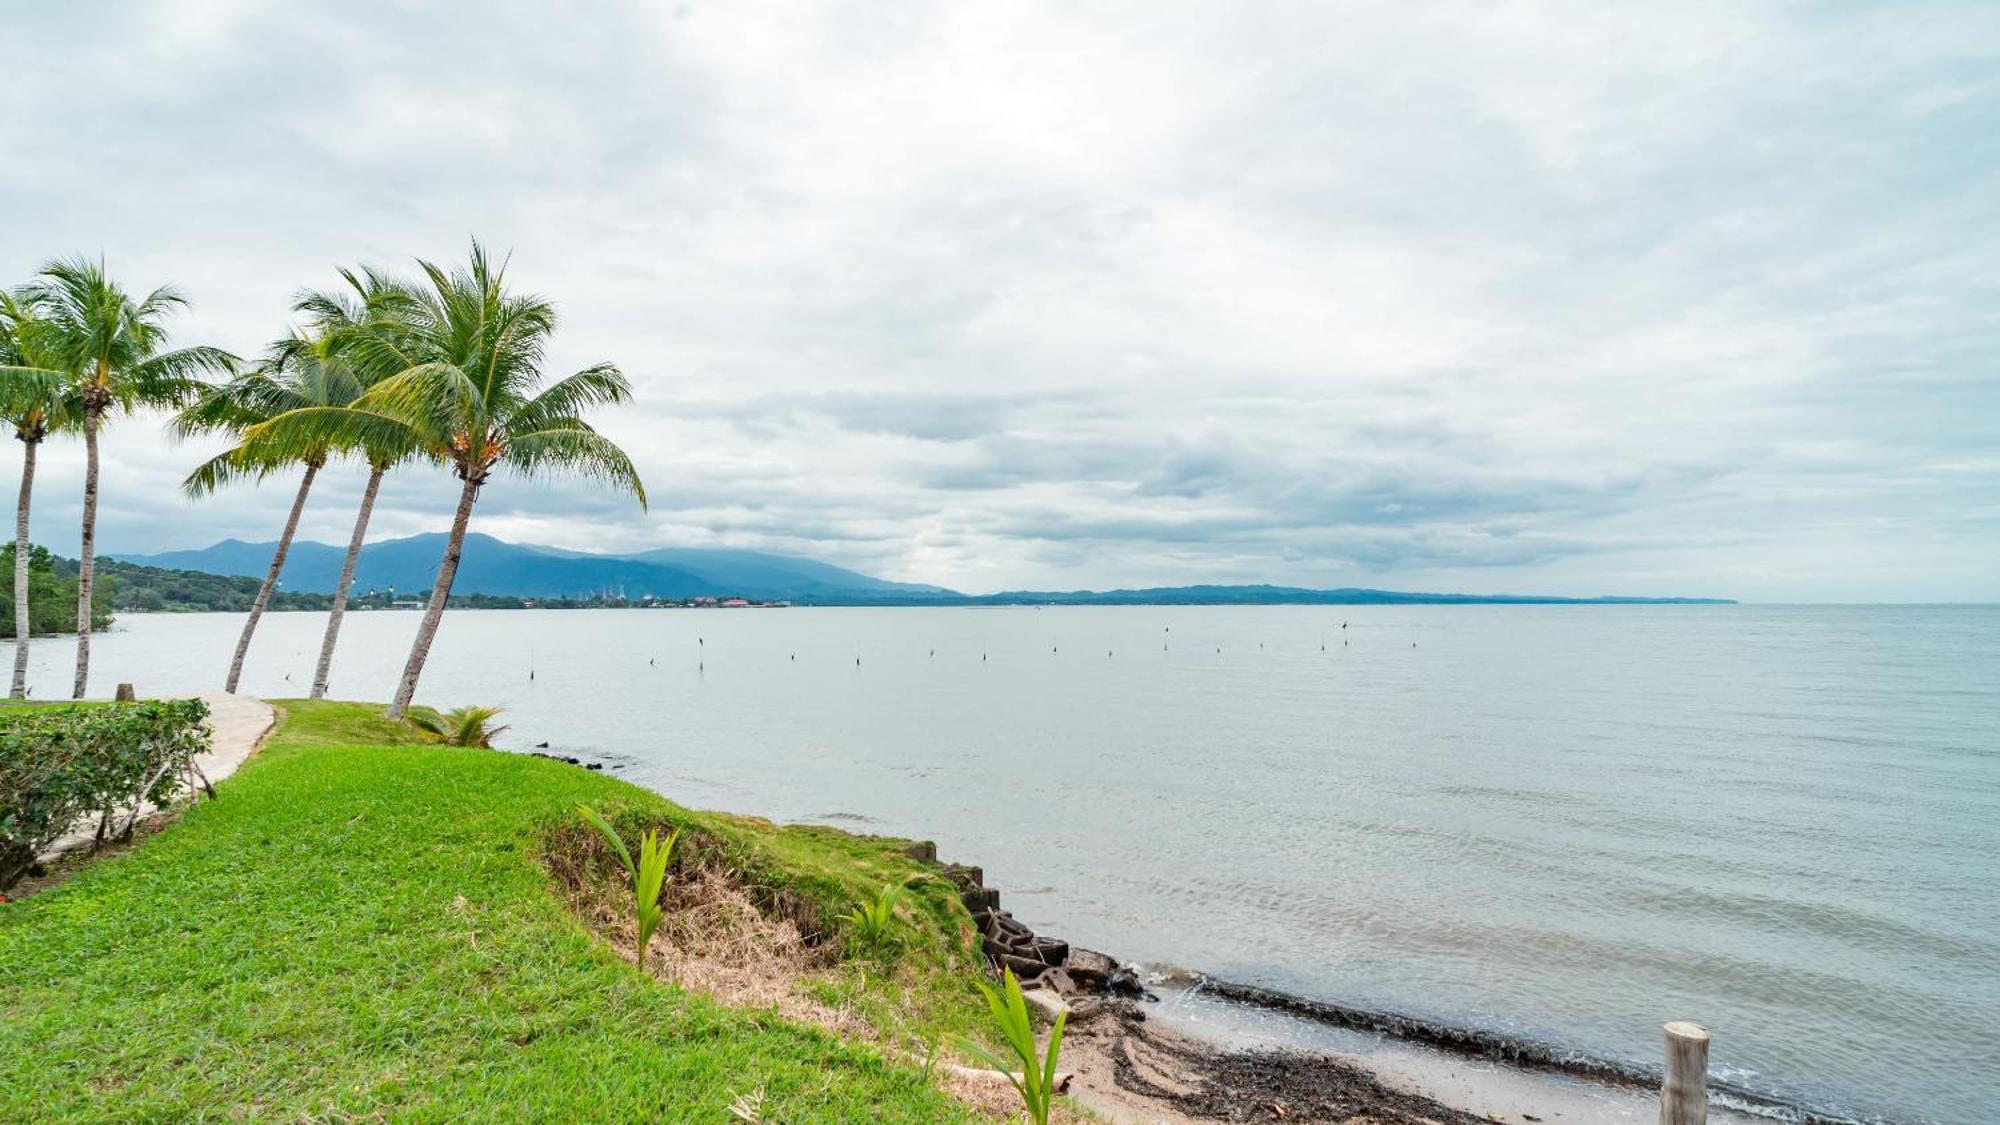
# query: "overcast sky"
1582,298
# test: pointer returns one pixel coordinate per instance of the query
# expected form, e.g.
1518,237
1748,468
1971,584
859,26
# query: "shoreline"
1470,1070
1094,984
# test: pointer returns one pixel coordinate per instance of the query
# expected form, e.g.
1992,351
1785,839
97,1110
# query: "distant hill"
490,566
1298,595
514,570
758,574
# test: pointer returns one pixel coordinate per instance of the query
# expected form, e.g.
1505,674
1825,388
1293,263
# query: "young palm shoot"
869,922
649,874
1036,1083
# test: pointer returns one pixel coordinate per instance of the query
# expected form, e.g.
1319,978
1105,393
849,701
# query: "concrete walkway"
237,725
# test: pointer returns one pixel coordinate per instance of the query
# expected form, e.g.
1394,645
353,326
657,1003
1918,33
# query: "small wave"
847,818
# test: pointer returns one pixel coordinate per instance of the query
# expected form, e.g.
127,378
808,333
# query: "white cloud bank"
1697,299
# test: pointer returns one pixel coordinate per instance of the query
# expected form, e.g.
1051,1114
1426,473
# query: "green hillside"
363,928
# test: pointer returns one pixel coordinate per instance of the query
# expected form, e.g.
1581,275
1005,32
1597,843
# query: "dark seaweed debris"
1265,1085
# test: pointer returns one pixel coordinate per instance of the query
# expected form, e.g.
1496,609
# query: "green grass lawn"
360,927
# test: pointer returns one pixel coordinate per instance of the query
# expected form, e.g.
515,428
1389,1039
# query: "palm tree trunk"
21,557
325,669
270,579
87,556
440,593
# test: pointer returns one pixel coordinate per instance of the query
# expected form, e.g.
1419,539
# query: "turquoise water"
1563,823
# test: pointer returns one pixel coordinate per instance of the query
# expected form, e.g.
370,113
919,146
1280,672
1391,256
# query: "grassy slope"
360,927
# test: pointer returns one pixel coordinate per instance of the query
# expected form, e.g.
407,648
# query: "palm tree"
461,371
37,400
339,317
297,372
110,348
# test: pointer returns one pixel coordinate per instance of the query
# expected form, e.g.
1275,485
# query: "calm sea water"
1566,823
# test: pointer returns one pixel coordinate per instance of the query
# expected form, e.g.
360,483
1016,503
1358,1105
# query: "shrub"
1037,1081
60,765
649,874
463,726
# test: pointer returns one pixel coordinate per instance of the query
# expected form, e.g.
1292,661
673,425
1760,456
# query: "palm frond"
36,390
435,398
572,447
93,331
598,385
462,726
296,433
455,359
230,467
174,378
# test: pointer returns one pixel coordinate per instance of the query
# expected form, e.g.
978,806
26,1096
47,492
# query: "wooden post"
1684,1092
125,694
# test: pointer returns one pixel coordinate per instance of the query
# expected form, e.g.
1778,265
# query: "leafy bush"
60,765
868,923
1037,1081
463,726
648,875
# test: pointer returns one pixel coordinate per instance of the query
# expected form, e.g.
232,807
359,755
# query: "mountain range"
491,566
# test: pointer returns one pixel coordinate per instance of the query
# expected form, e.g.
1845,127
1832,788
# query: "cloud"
1540,296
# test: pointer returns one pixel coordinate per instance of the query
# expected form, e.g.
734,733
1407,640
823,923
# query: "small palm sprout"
649,874
869,922
1036,1082
461,726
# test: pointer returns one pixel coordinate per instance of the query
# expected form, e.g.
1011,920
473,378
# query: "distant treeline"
51,595
131,588
124,587
146,589
1236,595
149,589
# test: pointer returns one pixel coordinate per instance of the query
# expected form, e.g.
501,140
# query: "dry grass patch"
747,946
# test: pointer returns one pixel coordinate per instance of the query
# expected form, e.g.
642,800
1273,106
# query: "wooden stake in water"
1684,1092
